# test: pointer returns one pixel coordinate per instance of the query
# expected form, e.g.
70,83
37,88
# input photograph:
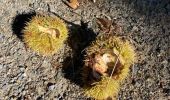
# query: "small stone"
51,87
25,75
138,84
1,66
22,69
24,92
165,62
135,28
12,81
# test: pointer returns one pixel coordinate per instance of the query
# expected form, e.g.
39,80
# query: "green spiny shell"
41,41
108,44
103,89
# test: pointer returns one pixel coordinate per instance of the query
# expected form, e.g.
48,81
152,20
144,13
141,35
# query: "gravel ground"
27,76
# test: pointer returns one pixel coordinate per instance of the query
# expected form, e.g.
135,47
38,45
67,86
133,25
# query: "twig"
115,63
114,66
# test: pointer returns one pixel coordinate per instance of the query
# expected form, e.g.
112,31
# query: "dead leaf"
117,29
108,26
73,4
104,24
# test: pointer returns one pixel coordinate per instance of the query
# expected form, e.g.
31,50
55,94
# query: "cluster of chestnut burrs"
107,61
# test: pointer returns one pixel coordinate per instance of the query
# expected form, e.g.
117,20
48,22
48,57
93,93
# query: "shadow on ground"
152,10
19,23
149,7
80,38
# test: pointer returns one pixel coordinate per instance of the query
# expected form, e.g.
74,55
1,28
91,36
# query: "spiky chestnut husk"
45,34
107,52
109,43
108,56
106,87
